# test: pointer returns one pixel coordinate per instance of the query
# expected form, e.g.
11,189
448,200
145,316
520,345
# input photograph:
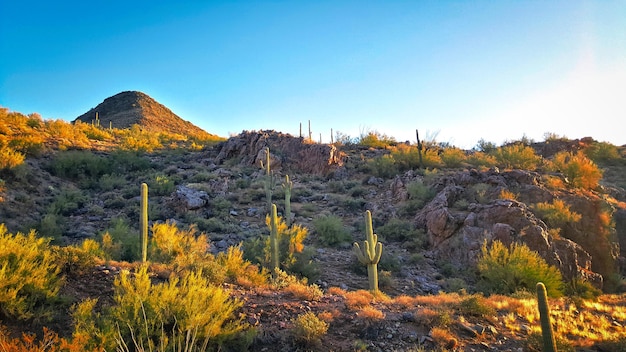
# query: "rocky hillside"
136,108
433,223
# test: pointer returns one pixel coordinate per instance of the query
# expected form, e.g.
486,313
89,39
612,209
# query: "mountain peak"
128,108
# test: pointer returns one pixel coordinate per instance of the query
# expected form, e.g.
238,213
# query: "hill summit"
129,108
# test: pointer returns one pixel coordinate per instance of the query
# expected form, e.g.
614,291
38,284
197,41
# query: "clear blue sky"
458,71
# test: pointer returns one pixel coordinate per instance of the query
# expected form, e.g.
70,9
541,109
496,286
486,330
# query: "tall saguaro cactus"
549,343
287,186
274,260
370,253
143,222
268,178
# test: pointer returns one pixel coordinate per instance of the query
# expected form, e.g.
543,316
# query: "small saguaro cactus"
269,181
370,253
287,186
549,343
274,260
143,222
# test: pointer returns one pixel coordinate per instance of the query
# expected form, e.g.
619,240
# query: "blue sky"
459,71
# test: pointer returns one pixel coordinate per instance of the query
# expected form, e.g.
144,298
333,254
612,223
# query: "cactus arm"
549,343
143,222
378,252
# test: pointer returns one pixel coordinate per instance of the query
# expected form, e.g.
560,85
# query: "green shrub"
331,231
119,242
399,230
374,139
481,159
507,270
182,248
603,153
383,166
81,166
28,275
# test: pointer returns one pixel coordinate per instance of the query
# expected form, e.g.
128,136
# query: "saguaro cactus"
268,178
143,222
274,259
370,253
287,186
549,343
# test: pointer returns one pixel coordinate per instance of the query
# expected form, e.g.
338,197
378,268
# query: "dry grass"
358,299
443,338
304,292
370,314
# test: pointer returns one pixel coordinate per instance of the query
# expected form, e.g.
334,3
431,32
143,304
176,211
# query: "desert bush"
383,166
79,165
507,194
582,289
516,156
78,259
419,195
401,230
481,159
479,192
182,248
119,242
476,305
375,139
406,157
303,291
603,153
431,158
144,313
161,185
309,328
28,275
48,341
556,214
579,170
10,158
239,270
136,139
506,270
453,157
331,231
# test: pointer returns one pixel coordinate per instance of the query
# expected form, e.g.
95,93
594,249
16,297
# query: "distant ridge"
129,108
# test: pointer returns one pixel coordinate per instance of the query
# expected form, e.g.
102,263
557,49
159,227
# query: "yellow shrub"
28,274
453,157
10,158
309,328
516,156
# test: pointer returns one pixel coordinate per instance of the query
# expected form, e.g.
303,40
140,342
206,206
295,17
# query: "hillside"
432,220
125,109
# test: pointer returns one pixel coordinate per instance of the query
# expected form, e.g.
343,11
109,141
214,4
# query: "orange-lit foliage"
50,342
370,314
579,170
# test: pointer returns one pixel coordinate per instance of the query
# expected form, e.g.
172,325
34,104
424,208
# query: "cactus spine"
143,222
287,186
268,178
370,253
274,261
549,343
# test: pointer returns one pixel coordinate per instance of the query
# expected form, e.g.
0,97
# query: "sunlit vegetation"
506,270
580,171
31,135
557,213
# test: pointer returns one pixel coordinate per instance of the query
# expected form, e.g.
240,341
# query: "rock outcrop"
456,234
286,152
